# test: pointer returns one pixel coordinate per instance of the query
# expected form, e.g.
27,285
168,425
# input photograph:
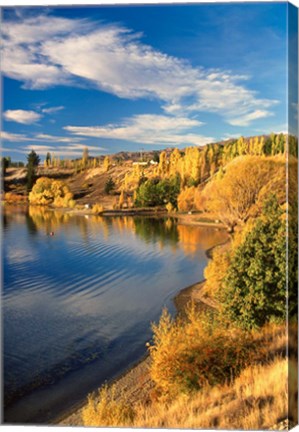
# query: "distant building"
140,163
152,162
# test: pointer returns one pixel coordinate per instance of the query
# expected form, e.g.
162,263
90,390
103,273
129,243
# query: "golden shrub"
48,191
186,356
169,207
11,197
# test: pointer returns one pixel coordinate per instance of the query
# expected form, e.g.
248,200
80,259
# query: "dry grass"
256,399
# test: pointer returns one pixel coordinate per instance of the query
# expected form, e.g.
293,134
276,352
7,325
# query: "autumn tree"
186,199
106,164
163,164
174,160
85,156
239,193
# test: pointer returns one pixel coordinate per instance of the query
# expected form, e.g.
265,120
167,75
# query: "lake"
78,305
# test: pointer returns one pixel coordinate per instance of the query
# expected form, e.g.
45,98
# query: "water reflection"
164,231
77,306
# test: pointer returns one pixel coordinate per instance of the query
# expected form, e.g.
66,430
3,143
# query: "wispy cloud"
54,138
71,150
64,146
246,119
52,110
147,129
45,51
13,137
22,116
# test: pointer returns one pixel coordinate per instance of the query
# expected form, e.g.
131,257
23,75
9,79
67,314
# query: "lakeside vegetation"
227,367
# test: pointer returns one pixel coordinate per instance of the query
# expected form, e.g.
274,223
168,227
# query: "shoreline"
135,382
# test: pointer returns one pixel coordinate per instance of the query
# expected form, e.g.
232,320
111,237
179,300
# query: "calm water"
77,306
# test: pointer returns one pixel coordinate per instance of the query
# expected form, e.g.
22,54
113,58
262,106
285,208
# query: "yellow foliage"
174,162
122,199
106,163
186,199
47,191
163,167
216,270
239,193
169,207
186,356
11,197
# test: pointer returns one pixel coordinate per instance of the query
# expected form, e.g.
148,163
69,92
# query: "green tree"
156,157
4,165
48,159
254,289
109,186
32,162
156,192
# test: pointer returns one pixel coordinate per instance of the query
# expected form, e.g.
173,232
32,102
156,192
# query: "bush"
47,191
169,207
254,289
189,355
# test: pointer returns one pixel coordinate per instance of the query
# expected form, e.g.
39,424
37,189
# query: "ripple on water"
80,310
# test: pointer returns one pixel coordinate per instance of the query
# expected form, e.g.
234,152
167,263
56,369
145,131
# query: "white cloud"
22,116
46,51
147,129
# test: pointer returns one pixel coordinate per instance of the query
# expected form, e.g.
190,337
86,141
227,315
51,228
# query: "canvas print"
149,245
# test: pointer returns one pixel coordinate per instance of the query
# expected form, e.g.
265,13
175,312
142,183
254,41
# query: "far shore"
190,218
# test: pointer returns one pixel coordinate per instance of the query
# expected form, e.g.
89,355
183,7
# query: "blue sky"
127,78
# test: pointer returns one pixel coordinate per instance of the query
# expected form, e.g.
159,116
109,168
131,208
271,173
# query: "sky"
127,78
